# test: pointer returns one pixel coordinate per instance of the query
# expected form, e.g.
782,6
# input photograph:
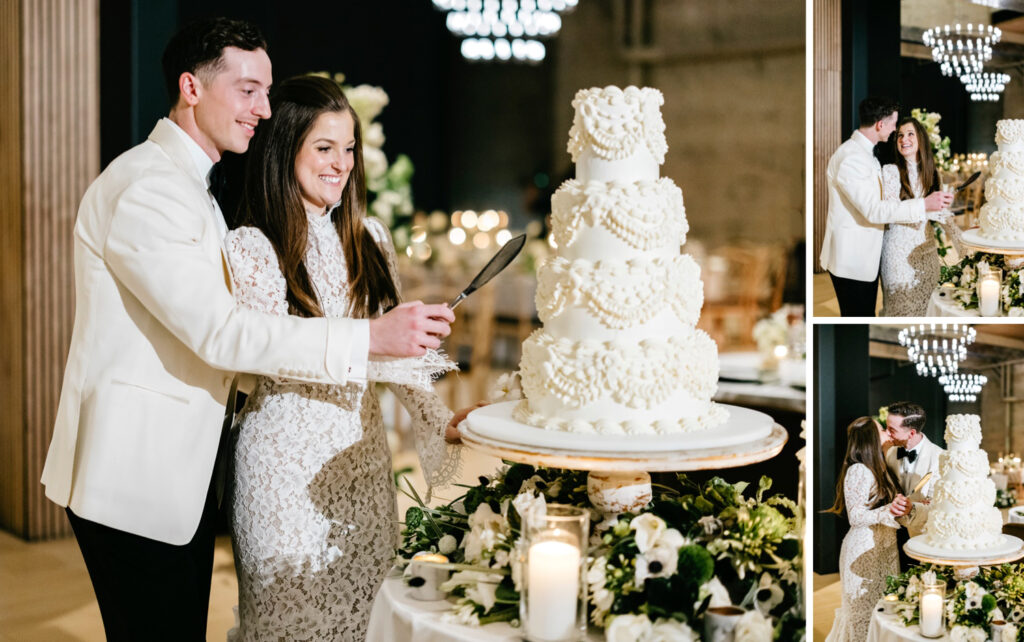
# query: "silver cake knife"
498,262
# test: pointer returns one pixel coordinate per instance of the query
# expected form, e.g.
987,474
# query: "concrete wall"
732,73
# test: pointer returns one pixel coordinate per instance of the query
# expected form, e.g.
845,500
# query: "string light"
504,30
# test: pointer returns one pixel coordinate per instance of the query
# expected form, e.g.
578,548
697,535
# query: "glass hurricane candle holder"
990,285
553,602
933,612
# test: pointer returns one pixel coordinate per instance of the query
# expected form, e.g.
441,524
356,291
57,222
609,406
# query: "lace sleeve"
890,183
439,460
416,371
430,416
859,487
259,284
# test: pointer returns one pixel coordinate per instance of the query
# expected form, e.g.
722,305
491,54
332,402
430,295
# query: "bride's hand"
899,506
451,433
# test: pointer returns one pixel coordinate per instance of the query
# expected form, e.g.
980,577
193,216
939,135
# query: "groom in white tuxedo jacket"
158,339
911,458
857,214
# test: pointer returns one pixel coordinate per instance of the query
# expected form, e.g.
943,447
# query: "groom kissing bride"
885,483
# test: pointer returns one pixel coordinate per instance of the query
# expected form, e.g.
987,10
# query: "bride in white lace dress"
868,555
313,514
910,260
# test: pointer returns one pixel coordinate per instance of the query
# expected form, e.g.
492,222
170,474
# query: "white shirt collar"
863,141
202,162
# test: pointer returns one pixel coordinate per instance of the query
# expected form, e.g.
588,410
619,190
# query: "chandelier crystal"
504,29
960,50
937,348
985,86
963,387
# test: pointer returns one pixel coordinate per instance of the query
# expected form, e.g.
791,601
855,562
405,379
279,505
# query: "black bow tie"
217,183
902,452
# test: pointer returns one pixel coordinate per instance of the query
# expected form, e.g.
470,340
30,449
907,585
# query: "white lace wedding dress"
910,259
867,557
313,513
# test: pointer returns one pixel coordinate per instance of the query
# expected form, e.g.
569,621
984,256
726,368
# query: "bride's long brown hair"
272,201
925,161
863,447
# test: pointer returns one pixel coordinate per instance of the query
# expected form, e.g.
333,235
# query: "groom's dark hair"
912,413
199,48
875,108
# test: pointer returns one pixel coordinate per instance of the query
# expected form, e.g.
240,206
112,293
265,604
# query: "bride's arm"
858,488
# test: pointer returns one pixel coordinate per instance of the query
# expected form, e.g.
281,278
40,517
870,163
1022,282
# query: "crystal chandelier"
961,51
985,86
963,387
937,348
504,29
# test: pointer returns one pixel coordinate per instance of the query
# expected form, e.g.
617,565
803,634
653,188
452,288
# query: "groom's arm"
154,247
858,181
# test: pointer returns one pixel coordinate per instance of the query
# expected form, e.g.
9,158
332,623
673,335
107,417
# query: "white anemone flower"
769,594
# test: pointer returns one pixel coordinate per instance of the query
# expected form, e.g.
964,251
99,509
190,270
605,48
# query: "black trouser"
902,537
150,590
856,298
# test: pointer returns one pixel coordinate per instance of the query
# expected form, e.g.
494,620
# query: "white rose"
649,528
446,544
532,509
719,594
628,628
373,136
665,630
958,634
1016,311
1009,634
752,627
977,635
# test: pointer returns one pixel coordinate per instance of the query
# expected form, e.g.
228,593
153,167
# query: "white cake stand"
973,240
965,563
619,464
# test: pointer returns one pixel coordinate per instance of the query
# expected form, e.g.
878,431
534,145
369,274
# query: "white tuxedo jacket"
852,247
927,462
157,339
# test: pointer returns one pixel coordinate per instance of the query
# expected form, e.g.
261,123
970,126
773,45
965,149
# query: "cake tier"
973,529
963,432
1006,164
1007,191
1001,223
963,464
616,124
958,494
648,385
598,220
1010,135
585,299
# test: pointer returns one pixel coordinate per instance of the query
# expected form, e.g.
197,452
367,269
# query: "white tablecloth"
396,617
888,628
941,304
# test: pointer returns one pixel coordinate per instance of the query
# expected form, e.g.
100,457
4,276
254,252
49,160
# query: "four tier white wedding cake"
1002,216
619,352
962,516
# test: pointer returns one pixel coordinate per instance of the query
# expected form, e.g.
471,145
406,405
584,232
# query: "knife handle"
454,304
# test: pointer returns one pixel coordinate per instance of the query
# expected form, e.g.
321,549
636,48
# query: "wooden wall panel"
828,87
12,442
59,157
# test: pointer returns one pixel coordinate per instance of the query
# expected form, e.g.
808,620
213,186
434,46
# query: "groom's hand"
409,329
938,201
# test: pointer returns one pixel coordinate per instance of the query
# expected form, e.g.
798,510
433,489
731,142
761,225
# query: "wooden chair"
750,288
